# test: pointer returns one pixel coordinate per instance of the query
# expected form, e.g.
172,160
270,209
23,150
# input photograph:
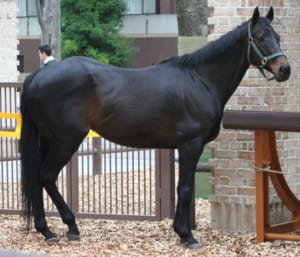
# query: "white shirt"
48,59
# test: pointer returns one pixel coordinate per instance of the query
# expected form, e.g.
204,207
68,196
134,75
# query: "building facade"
8,41
153,26
233,202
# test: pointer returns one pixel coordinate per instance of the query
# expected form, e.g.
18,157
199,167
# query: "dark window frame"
28,12
142,10
20,66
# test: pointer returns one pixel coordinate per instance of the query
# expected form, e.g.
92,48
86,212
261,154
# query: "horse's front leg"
189,153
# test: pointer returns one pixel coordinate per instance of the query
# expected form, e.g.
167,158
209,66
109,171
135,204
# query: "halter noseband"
264,59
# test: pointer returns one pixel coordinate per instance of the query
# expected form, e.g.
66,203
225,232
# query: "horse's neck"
228,71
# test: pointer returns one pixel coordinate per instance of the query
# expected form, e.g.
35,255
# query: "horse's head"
264,49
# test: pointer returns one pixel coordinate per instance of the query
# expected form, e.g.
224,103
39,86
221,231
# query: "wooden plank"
261,120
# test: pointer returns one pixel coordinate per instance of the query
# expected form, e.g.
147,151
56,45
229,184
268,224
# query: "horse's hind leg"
54,159
64,211
189,153
39,215
57,157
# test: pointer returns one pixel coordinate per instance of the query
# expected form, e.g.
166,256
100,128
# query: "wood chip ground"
128,238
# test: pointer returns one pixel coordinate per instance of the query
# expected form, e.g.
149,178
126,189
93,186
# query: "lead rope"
268,170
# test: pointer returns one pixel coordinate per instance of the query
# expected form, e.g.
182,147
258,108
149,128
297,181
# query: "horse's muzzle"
283,73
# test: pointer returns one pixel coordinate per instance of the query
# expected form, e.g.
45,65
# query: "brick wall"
8,41
233,201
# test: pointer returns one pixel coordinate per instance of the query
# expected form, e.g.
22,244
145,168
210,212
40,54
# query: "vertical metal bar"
138,182
100,174
122,180
92,173
17,184
105,173
145,180
116,178
149,182
80,178
127,179
85,176
110,187
133,185
7,172
12,170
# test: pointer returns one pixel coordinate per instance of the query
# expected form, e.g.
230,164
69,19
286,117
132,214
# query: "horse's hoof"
73,237
193,245
52,240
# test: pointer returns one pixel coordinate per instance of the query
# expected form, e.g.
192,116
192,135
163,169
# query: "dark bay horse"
177,103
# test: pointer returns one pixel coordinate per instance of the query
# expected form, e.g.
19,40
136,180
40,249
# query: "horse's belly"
138,136
141,141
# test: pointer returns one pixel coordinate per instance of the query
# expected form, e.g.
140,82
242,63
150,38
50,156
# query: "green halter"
264,59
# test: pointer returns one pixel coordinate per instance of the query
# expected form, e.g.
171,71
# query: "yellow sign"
17,132
12,134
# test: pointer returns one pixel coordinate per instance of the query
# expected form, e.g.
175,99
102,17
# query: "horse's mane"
209,52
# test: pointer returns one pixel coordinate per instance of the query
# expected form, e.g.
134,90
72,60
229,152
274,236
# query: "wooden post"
165,181
72,183
262,185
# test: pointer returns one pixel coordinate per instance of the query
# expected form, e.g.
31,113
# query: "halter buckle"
264,61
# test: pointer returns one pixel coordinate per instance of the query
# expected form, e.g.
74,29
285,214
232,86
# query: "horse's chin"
281,77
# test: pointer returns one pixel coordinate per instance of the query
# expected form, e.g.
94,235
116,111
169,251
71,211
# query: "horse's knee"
185,194
181,229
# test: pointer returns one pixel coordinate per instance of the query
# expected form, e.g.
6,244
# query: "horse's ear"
255,15
270,14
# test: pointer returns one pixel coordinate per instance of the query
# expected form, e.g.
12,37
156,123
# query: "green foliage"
91,28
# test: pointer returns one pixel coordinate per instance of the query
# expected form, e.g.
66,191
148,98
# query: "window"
26,8
141,6
20,67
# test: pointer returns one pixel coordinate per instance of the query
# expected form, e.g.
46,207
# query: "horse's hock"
233,203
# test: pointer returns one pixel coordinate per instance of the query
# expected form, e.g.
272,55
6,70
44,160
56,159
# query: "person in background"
45,54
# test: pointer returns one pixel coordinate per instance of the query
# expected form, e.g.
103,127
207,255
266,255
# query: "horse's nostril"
285,69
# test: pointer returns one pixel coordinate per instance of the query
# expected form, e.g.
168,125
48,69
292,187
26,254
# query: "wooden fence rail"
265,124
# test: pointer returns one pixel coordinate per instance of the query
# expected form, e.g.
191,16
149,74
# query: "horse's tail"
30,158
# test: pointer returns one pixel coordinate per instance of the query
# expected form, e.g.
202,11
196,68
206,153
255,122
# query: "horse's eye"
259,34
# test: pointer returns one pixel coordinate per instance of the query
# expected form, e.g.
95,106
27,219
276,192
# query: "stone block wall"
233,201
8,41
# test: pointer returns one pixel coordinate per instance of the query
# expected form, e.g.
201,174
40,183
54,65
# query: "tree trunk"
49,17
192,17
192,24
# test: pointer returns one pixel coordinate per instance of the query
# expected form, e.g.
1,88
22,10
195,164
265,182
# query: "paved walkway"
7,253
